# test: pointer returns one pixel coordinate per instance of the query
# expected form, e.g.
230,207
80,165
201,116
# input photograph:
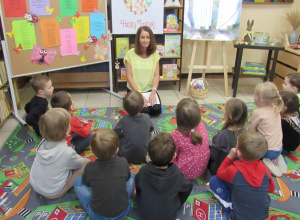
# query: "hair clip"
193,130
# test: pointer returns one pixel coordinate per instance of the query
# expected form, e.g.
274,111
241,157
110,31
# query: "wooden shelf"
173,7
161,80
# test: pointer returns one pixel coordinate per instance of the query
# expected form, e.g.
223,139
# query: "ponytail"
279,104
195,137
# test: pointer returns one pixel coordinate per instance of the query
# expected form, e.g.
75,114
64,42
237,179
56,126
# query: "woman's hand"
152,98
145,102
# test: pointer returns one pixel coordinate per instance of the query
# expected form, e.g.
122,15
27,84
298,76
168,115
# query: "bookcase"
5,96
173,55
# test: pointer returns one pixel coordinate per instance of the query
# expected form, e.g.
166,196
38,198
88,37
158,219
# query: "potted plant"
293,17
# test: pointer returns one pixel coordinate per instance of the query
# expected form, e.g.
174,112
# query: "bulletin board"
48,35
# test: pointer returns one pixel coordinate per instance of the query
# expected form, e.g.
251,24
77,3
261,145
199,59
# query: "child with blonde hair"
191,140
38,105
80,133
55,166
266,120
290,122
236,115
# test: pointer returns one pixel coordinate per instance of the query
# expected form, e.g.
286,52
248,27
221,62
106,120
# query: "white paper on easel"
147,95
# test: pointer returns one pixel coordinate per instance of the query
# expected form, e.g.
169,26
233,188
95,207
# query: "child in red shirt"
80,133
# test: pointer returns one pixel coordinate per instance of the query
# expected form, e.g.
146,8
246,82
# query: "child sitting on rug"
266,120
134,129
242,186
106,185
290,122
191,140
292,83
161,188
38,105
235,115
80,134
55,166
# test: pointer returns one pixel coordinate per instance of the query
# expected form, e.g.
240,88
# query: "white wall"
267,18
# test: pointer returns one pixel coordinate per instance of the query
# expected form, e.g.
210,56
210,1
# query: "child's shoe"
169,2
272,167
282,165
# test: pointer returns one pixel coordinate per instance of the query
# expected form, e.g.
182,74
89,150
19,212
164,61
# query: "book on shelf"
3,74
123,74
171,23
254,68
254,64
5,108
170,71
122,46
160,50
172,45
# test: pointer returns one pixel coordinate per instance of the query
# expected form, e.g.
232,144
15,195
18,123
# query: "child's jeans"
272,154
222,192
80,142
84,193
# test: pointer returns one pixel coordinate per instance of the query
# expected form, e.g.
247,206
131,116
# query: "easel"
207,63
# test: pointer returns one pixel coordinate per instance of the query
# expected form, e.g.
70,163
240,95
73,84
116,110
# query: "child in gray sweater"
134,129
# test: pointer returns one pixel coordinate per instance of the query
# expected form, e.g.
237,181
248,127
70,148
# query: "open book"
147,95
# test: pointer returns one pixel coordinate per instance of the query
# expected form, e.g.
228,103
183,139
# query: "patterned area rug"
19,201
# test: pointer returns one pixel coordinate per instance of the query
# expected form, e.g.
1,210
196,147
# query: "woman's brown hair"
138,47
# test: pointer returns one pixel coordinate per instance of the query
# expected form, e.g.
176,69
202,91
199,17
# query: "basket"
197,93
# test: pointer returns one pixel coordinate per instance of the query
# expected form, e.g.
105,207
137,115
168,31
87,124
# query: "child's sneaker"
272,167
282,165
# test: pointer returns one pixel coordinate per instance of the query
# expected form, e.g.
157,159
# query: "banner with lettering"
129,15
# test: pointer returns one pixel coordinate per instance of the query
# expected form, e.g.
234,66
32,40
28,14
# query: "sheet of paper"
38,7
147,95
68,42
68,7
82,26
89,5
50,32
24,34
97,24
14,8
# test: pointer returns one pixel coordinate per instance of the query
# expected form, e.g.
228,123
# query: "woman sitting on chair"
142,69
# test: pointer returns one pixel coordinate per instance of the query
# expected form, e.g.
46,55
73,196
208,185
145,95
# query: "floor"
169,94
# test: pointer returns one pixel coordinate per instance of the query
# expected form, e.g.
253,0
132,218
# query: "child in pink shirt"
191,140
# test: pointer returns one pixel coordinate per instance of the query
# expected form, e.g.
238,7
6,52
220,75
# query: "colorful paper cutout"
96,10
77,15
42,56
38,7
86,47
14,8
77,53
82,59
68,8
24,34
89,5
103,37
92,39
82,26
49,9
97,22
50,32
18,48
10,34
59,18
72,21
101,51
68,42
31,18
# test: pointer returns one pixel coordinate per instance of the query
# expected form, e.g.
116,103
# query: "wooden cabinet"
160,40
288,61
